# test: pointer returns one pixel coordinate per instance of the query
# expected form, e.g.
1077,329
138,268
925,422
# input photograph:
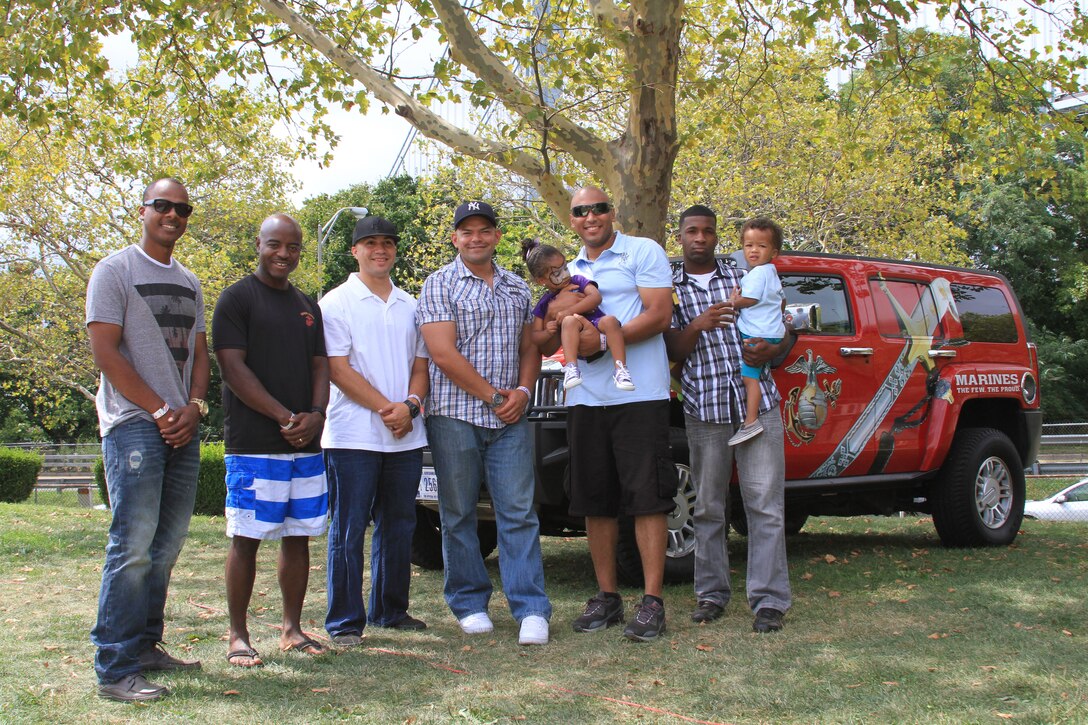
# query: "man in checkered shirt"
475,318
704,337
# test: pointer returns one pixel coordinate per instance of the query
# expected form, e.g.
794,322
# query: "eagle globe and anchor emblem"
807,406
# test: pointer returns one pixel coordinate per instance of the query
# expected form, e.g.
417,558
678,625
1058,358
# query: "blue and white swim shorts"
273,495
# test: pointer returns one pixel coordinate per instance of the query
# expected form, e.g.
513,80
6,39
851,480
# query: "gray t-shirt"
160,309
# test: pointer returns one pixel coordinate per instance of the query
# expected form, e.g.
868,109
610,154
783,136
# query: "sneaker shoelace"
646,613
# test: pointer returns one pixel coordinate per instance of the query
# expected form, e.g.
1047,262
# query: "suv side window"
825,291
903,306
984,313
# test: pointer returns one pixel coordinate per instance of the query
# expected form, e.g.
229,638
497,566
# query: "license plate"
428,485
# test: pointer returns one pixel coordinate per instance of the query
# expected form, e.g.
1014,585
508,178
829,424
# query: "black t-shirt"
281,332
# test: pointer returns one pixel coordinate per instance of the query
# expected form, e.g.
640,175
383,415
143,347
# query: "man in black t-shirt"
270,345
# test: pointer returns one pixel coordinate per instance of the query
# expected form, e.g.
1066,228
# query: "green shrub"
18,474
100,481
211,487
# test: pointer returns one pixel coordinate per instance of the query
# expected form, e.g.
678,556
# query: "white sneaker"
746,432
572,376
622,378
534,630
478,623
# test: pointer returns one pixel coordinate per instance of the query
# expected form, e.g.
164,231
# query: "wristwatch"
497,399
413,409
201,406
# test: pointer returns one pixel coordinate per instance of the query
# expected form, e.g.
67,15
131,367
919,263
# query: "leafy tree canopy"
594,86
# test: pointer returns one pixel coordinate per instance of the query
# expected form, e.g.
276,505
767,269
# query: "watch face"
497,400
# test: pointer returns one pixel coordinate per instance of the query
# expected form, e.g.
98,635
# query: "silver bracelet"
604,342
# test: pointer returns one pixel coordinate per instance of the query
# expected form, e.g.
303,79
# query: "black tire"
427,539
680,554
978,498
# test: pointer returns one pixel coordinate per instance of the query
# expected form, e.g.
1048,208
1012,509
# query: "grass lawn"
886,627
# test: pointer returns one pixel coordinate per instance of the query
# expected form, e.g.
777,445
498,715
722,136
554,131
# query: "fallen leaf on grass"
231,692
704,648
830,558
807,575
834,594
1004,715
1067,633
51,647
320,689
988,668
892,683
851,687
467,648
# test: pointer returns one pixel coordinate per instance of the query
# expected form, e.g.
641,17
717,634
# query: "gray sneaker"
132,688
746,432
649,622
601,613
157,659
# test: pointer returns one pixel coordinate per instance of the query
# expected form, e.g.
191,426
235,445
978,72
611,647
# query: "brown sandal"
307,646
248,652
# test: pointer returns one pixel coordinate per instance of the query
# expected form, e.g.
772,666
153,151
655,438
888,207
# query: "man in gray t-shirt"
145,320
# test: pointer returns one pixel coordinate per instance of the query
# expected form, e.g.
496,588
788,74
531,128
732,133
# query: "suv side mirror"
804,318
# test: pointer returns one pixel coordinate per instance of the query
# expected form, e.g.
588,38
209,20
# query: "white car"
1069,504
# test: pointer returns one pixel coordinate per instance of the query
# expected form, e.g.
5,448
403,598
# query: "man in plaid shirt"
475,318
704,337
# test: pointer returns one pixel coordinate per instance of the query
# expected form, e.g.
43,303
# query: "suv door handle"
942,353
855,351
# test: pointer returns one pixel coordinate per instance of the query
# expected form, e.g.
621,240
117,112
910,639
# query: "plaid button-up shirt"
711,381
489,322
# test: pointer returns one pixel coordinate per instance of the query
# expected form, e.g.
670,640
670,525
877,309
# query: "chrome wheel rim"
993,493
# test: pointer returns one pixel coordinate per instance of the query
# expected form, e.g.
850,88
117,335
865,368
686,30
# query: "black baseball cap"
474,208
374,226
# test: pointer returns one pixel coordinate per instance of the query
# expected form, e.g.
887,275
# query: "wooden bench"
63,471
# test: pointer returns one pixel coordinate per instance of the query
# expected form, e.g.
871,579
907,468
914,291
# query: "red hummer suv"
909,387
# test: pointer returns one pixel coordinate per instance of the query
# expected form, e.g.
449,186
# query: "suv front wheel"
427,539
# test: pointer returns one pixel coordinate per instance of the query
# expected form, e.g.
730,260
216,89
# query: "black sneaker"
706,611
157,658
601,612
649,621
768,620
132,688
409,623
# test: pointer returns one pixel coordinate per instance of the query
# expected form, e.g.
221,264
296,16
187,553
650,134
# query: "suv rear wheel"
978,499
427,539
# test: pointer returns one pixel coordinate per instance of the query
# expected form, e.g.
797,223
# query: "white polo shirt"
381,341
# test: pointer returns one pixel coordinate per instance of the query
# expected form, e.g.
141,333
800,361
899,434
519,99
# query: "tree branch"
430,124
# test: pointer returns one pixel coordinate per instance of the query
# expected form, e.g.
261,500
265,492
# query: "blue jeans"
365,485
152,488
761,468
465,456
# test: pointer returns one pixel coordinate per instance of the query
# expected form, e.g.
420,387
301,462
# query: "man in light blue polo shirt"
620,461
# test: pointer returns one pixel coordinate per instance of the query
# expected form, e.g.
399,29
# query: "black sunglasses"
163,206
601,207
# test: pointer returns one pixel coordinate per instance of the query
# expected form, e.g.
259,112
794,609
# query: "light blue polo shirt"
630,263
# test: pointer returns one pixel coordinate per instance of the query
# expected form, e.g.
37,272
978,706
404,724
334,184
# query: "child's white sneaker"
572,376
622,378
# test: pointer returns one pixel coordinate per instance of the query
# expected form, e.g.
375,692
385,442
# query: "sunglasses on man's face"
163,206
583,210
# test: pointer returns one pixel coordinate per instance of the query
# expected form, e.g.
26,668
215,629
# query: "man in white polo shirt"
373,438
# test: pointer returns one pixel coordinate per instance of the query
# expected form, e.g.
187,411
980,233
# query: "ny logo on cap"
474,206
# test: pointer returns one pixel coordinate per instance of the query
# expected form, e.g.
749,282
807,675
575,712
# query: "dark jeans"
365,485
